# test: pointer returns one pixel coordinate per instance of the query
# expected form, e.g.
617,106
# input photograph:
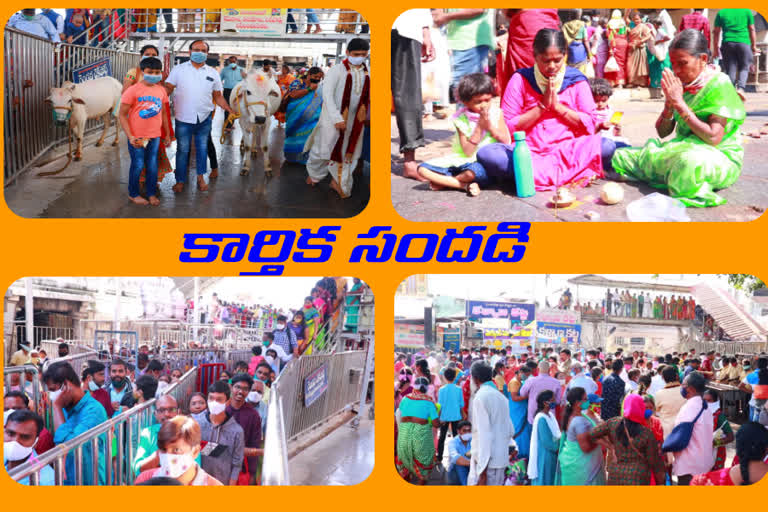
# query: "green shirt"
735,24
470,33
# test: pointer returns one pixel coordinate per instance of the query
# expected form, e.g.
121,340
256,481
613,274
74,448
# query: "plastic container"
657,207
523,165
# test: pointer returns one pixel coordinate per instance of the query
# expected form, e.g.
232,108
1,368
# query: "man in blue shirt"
35,24
451,401
581,380
759,377
458,448
22,431
56,19
231,74
285,338
74,413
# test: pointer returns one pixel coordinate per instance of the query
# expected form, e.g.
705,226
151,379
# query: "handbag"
678,439
611,66
244,478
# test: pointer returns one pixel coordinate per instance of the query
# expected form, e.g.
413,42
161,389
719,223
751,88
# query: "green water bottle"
521,158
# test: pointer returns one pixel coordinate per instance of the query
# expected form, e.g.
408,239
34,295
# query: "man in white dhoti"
335,144
492,429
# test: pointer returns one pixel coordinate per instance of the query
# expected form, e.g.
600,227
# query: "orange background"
107,247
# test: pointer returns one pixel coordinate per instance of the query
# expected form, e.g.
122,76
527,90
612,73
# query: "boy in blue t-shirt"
451,401
75,31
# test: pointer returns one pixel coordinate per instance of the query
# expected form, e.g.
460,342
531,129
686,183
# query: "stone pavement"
344,457
97,187
747,198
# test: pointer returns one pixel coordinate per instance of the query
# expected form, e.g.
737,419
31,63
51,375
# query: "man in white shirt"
581,380
657,381
697,457
198,90
491,429
336,142
411,43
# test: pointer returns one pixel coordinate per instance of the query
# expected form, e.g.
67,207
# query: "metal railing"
33,387
98,442
32,66
728,347
51,347
147,22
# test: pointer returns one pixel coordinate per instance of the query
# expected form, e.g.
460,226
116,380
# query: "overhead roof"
737,323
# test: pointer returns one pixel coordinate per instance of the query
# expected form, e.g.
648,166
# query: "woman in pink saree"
553,105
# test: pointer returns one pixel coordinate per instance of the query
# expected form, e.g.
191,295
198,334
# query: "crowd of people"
97,26
555,73
215,439
555,417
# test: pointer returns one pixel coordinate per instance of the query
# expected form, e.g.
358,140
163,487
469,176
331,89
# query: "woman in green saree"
353,306
415,443
707,153
575,465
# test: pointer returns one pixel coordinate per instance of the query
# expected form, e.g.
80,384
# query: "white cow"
256,98
77,103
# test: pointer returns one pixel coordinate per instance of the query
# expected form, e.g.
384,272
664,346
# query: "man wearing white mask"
491,429
224,450
250,421
285,338
336,142
257,401
18,401
22,431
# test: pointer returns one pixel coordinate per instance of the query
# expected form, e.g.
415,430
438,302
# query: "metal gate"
32,65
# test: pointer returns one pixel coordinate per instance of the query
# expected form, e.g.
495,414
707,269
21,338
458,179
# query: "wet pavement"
747,198
97,187
343,457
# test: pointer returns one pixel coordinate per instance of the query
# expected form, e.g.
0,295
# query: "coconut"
611,193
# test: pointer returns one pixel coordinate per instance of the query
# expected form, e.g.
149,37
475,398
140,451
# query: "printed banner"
548,332
516,313
259,22
451,338
517,339
558,316
315,385
97,69
409,335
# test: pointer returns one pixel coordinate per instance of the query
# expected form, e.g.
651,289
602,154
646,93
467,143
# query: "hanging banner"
516,313
504,337
558,334
558,316
451,338
269,22
518,319
409,335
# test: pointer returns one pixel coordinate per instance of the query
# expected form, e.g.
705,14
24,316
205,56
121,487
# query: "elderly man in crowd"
697,457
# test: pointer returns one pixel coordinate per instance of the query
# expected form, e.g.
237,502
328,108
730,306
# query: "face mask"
356,61
269,360
648,413
216,408
314,80
281,326
146,57
14,451
552,407
684,392
152,79
254,397
54,395
162,386
29,17
233,65
585,406
466,437
176,465
198,416
198,57
93,386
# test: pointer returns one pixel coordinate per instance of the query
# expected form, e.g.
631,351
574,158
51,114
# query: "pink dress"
561,155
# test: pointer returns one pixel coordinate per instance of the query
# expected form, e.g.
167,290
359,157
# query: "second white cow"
256,98
76,103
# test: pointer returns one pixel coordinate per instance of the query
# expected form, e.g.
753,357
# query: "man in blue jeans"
195,84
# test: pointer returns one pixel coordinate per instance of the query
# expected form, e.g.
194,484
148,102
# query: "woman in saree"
599,47
752,453
134,76
580,462
637,65
518,411
617,38
702,105
658,55
415,457
575,32
353,306
312,320
553,105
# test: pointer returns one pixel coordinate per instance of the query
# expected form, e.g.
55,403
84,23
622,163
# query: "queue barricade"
207,374
185,359
34,388
233,356
183,389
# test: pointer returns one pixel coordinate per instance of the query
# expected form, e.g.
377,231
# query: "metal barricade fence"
124,428
185,359
51,347
33,389
32,65
233,356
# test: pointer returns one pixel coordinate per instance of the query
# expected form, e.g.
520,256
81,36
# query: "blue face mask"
153,79
233,65
684,392
198,57
648,413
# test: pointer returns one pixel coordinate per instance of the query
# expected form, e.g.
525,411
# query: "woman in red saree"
619,46
752,454
523,26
